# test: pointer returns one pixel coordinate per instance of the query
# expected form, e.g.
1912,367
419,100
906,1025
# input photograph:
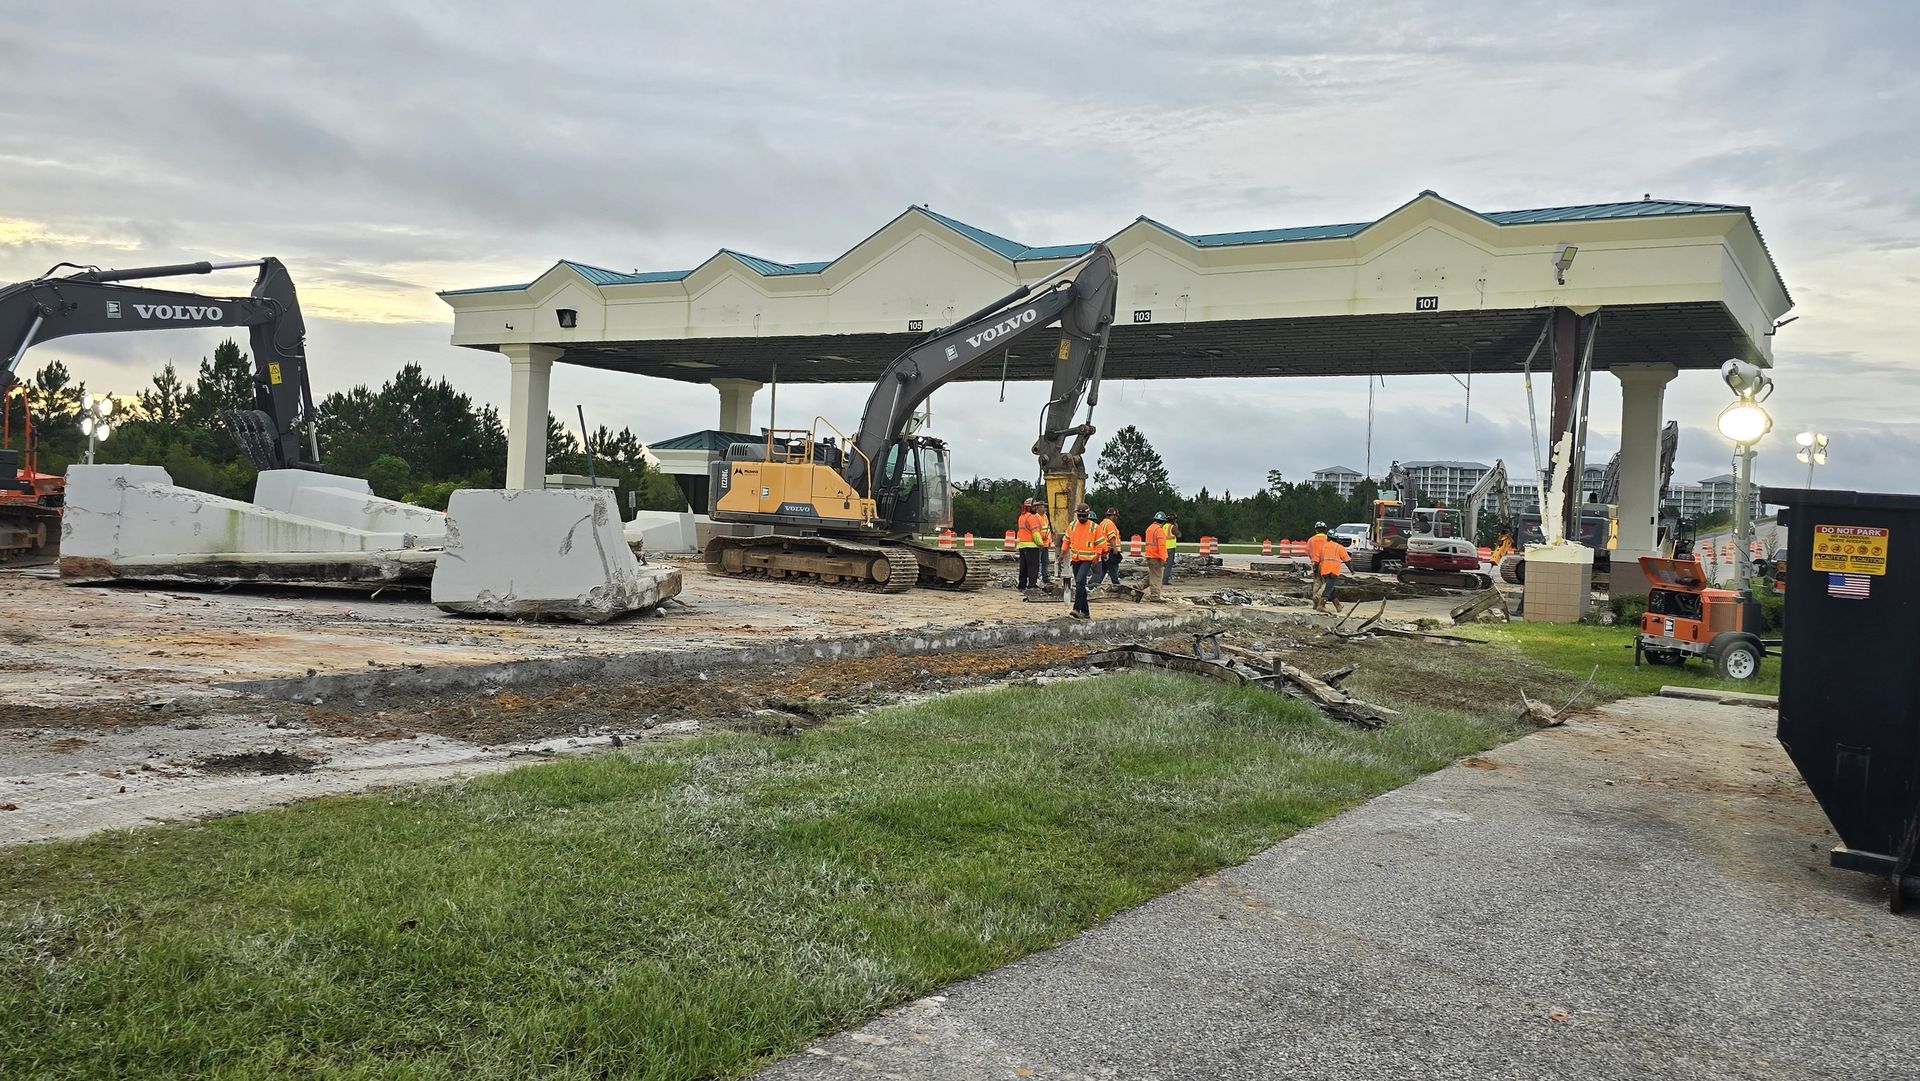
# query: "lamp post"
1813,451
96,421
1744,423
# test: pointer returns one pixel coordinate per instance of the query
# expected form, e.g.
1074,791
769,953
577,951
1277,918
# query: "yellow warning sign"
1850,549
273,372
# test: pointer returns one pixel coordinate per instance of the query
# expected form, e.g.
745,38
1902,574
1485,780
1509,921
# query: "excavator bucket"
256,435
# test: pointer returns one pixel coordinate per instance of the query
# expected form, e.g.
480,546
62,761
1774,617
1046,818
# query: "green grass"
1576,648
688,910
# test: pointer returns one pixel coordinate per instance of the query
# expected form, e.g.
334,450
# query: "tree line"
412,439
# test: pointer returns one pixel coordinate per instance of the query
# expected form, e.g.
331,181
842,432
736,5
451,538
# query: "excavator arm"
95,301
1082,305
1493,483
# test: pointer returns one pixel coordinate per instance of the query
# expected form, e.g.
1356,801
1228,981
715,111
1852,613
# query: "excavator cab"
915,489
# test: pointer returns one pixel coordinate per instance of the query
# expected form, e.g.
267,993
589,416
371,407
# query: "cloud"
386,151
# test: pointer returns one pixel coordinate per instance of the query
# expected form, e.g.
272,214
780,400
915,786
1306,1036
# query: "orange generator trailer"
1685,618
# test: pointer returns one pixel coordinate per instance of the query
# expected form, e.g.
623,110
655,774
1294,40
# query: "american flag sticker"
1848,585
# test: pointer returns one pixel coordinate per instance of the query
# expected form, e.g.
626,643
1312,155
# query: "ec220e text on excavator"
846,512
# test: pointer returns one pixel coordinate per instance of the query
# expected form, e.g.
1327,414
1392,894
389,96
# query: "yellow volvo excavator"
845,510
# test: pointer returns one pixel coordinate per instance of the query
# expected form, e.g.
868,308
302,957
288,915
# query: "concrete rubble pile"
534,554
132,521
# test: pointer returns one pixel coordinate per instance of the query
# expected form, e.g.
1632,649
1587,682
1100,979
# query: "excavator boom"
95,301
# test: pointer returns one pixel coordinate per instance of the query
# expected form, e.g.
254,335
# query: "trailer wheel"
1671,657
1737,657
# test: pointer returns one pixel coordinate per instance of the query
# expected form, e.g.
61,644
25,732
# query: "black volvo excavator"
93,301
846,512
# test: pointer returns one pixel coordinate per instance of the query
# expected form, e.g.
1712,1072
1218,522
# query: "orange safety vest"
1317,548
1023,535
1156,542
1083,541
1332,554
1109,535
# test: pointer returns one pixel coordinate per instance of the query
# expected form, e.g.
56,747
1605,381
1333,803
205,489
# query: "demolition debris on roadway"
137,703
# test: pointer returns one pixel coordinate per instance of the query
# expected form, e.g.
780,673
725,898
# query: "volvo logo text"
177,311
1003,327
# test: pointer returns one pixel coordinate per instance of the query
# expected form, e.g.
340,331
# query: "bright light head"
1744,422
1805,439
1746,380
1562,259
86,424
104,407
103,430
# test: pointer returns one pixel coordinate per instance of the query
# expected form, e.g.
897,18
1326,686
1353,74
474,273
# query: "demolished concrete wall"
346,501
543,554
664,531
133,521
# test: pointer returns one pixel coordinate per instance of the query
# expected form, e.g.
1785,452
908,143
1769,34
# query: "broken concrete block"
347,501
543,554
132,520
664,531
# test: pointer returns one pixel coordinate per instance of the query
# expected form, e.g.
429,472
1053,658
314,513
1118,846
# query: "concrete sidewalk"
1643,893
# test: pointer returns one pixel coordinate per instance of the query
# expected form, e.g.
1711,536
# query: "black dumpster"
1850,670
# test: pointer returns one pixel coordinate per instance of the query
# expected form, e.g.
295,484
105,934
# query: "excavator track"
1475,580
28,534
950,568
844,564
1513,570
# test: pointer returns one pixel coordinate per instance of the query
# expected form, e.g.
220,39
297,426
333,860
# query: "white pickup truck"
1357,536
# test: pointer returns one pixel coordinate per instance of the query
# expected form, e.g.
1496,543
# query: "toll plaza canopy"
1642,289
1430,287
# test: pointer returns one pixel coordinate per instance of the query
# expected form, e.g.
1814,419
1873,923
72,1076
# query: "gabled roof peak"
1019,252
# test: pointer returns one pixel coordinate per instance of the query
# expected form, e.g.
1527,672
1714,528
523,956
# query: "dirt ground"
117,704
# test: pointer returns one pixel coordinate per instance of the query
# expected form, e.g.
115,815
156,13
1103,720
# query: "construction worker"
1173,547
1156,553
1027,543
1110,535
1333,562
1085,547
1045,540
1316,558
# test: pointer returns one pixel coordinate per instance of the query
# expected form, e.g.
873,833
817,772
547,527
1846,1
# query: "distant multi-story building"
1446,482
1341,479
1711,495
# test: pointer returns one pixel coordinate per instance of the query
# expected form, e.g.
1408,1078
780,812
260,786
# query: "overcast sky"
388,150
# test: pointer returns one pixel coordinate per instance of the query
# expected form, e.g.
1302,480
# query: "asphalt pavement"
1643,893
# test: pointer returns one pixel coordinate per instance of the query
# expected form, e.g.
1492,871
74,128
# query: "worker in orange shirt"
1085,548
1316,558
1026,540
1156,554
1333,563
1043,532
1110,534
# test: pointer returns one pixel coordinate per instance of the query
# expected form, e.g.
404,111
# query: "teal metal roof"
1012,249
771,269
602,276
1018,252
1644,208
712,440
